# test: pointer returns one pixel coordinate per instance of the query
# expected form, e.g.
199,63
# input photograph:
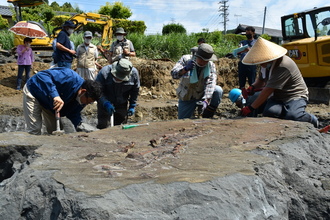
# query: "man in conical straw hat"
284,88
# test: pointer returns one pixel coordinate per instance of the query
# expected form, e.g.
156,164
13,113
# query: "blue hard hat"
234,94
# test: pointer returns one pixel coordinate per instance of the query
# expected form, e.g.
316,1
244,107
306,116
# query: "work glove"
248,92
205,104
247,110
109,107
190,65
131,109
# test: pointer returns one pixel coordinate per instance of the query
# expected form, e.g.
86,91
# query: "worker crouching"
121,84
197,74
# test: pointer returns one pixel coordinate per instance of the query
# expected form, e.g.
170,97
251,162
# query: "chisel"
133,126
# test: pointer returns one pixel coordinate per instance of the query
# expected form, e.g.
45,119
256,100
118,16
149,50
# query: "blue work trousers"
246,71
187,108
21,69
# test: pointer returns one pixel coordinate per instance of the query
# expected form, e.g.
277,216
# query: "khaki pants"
34,113
87,73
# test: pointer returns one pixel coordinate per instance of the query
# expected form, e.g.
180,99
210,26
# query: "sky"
197,16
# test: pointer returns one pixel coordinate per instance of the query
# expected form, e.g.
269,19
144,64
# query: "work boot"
209,112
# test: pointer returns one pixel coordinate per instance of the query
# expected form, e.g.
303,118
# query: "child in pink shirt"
24,61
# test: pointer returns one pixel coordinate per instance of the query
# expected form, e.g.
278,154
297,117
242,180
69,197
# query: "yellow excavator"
43,46
306,36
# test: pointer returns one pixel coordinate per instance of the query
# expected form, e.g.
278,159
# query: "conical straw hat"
263,51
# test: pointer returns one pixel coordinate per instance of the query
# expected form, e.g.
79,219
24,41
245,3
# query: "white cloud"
195,15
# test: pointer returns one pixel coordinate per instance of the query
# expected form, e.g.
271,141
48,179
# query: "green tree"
116,10
3,23
266,36
173,28
55,6
67,7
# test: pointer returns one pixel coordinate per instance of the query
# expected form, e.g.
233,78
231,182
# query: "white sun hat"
263,51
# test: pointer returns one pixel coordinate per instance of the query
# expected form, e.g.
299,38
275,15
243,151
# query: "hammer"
58,129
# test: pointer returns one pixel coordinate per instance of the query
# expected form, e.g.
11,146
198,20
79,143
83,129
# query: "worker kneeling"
284,88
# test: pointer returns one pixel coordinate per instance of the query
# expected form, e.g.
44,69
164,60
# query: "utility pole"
224,13
263,25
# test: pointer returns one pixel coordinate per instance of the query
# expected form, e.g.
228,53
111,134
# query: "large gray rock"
253,168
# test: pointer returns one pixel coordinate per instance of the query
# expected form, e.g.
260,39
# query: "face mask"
78,98
249,36
88,41
120,37
70,31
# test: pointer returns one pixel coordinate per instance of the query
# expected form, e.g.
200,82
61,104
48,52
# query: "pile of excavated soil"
157,99
155,77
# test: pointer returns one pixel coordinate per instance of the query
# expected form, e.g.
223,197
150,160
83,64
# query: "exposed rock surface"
251,168
237,168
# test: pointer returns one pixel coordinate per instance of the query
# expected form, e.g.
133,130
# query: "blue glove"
131,111
190,65
109,107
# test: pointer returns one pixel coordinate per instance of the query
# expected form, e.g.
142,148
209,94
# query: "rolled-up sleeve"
179,66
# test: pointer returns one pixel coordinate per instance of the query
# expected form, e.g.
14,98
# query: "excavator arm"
106,21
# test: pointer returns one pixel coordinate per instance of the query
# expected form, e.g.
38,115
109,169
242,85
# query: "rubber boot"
209,112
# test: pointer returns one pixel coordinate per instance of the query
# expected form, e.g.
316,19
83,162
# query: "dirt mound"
8,75
157,82
155,76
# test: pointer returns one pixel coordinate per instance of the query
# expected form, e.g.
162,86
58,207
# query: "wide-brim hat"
120,31
122,69
206,52
263,51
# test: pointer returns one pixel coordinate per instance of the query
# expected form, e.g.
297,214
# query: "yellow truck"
306,36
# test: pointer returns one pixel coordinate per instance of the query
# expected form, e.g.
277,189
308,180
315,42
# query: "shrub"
3,23
173,28
7,39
